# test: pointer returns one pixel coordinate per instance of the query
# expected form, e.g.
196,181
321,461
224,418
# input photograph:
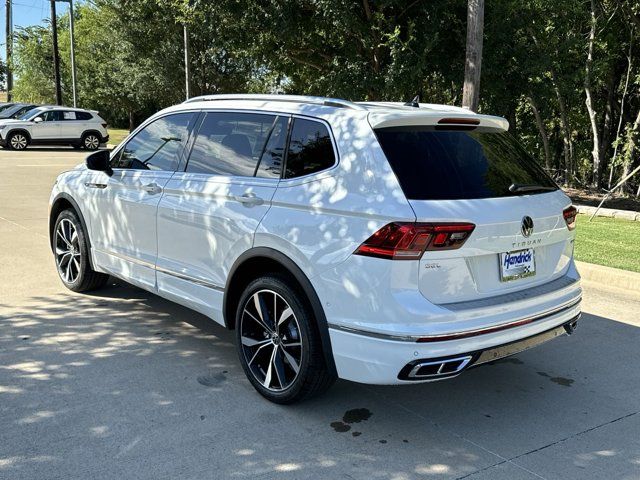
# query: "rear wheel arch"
62,202
263,261
91,130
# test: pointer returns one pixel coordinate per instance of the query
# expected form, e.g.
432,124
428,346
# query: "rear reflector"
104,125
570,215
408,241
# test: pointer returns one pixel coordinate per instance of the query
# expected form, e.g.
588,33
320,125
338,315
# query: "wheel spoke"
292,361
260,322
278,366
67,272
286,314
292,344
61,235
267,378
257,352
263,312
250,342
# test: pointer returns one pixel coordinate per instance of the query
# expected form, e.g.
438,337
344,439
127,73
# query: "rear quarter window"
310,149
433,164
83,116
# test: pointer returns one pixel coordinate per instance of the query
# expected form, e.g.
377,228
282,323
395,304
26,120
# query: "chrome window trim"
213,177
153,118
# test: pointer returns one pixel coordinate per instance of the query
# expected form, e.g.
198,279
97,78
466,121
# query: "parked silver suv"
53,125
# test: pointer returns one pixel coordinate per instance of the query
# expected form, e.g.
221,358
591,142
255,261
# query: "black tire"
312,377
74,268
91,141
18,141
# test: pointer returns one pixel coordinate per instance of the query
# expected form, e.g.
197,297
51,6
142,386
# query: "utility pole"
56,57
9,35
187,68
73,55
473,61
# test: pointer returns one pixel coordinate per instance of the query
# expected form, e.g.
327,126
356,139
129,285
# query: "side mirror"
37,119
100,161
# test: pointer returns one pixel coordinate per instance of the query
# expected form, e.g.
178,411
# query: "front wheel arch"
263,260
18,130
64,201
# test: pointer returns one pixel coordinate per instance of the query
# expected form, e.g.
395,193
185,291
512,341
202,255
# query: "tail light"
408,241
570,214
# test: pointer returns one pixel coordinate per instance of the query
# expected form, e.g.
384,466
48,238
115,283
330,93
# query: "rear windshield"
436,164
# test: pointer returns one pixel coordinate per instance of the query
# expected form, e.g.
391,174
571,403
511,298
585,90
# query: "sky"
25,13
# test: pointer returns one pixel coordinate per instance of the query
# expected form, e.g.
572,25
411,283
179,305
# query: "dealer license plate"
517,264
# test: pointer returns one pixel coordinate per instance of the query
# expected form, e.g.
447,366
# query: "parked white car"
375,242
51,125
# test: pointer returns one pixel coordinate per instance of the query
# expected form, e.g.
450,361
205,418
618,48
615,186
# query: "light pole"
56,58
9,33
73,54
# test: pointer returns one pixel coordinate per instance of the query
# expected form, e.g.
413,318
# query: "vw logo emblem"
527,226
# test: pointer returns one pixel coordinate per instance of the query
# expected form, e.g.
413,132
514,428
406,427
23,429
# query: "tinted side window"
157,146
83,116
69,115
230,143
52,116
310,149
271,161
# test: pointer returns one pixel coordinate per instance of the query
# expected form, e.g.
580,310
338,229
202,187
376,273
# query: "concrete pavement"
123,384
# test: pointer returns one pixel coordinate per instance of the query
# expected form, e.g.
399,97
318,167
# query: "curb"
610,212
612,277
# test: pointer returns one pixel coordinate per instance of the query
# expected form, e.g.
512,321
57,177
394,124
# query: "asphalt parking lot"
122,384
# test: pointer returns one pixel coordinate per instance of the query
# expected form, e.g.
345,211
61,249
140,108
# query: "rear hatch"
453,173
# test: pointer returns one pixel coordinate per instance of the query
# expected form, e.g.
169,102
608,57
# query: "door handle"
249,199
152,188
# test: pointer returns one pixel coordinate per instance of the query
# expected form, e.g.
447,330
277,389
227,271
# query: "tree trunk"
630,150
132,124
543,132
589,101
621,119
473,61
567,144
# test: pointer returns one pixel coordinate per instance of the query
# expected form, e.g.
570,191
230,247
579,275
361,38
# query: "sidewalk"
611,277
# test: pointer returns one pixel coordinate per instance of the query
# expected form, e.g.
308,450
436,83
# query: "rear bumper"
373,359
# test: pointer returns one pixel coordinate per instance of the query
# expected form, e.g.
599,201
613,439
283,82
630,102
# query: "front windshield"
30,114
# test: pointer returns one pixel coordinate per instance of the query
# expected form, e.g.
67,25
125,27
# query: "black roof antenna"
414,103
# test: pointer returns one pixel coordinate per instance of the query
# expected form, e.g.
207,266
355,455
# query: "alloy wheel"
18,141
91,142
271,340
67,251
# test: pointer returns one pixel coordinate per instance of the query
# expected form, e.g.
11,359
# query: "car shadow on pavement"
122,381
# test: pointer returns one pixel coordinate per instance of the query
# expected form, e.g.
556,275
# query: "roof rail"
329,102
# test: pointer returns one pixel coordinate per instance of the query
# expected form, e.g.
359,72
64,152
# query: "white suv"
54,126
374,242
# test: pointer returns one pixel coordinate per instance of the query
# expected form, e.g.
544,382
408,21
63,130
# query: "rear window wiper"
523,187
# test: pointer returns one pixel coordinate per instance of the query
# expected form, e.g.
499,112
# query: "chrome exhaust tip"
439,368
